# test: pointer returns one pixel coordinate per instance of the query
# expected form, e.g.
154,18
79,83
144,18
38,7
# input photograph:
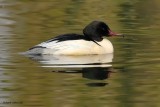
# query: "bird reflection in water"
94,73
95,67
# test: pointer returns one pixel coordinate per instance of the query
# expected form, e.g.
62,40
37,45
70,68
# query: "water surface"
127,78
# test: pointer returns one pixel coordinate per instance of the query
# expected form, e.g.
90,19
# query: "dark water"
128,78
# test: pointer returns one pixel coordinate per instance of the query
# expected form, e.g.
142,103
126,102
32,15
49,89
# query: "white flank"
73,47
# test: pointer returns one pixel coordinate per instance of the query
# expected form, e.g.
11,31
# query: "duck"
92,42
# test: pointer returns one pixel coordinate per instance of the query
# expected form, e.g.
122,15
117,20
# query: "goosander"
91,43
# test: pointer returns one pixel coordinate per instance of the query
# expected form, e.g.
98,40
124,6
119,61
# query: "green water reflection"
134,80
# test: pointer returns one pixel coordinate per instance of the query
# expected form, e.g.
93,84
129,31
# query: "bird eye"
103,29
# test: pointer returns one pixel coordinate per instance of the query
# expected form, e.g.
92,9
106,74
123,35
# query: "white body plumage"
73,47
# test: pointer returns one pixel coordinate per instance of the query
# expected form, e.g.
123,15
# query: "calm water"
128,78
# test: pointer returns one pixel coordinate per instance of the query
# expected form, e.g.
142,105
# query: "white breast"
74,47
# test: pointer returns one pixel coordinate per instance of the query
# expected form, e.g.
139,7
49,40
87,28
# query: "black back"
71,36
